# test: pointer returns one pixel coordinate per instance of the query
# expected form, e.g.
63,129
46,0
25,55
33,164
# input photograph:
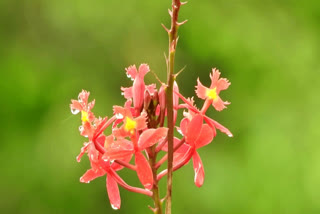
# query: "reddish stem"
128,187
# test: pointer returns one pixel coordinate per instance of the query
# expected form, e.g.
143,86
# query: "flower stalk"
173,40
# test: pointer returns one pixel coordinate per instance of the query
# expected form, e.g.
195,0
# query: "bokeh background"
50,50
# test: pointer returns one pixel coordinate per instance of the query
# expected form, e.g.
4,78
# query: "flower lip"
84,116
130,124
212,93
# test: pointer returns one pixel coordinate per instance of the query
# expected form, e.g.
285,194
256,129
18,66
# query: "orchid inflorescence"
137,129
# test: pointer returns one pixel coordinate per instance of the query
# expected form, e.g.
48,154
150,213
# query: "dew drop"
114,207
83,181
81,128
230,135
180,132
74,111
119,116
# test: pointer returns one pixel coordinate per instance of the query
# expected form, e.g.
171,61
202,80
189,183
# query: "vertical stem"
169,95
155,188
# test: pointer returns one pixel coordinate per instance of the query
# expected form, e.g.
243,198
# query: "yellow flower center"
130,125
84,116
212,93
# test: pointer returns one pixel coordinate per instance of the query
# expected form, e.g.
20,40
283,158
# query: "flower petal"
184,125
214,76
218,104
83,97
198,170
194,129
151,136
126,92
113,192
82,151
215,124
222,84
132,72
138,92
76,107
144,171
91,175
201,90
121,112
205,137
143,70
141,121
175,96
119,149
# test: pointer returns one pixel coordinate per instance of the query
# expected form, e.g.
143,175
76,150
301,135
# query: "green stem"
155,188
173,32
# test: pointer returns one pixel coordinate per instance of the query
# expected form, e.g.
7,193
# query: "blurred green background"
270,51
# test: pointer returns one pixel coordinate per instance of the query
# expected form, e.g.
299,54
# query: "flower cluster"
137,130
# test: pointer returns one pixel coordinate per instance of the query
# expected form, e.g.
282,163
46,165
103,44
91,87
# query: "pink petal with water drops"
82,151
91,175
198,170
132,72
113,192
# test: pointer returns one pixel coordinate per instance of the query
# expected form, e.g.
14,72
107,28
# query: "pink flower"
193,110
197,135
130,124
82,105
212,93
101,168
123,148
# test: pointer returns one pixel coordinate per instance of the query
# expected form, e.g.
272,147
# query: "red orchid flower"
122,148
130,124
212,94
82,105
196,135
99,167
213,124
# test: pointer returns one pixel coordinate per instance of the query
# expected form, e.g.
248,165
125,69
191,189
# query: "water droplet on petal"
180,132
119,116
81,128
82,181
114,207
74,111
230,135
